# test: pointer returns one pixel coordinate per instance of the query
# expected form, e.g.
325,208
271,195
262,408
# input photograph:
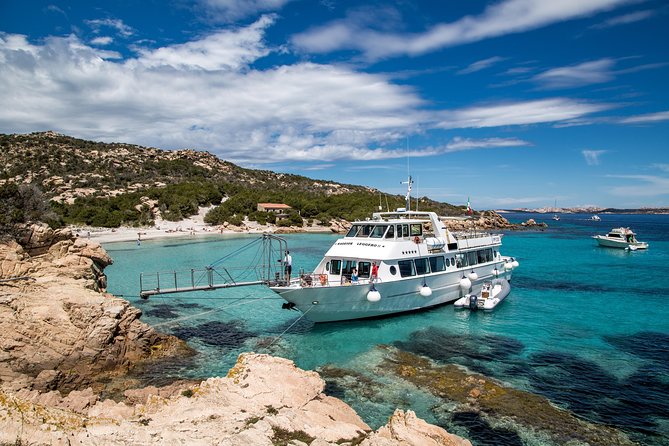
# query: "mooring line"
291,326
213,310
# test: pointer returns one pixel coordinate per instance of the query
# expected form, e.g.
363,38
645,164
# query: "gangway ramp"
266,270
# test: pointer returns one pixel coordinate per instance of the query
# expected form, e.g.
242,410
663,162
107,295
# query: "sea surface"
584,326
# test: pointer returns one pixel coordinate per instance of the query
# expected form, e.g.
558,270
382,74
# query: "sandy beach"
188,227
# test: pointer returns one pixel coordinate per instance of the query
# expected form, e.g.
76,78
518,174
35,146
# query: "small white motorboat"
492,293
595,218
623,238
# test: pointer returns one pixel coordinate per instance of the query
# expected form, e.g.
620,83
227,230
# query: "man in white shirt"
288,265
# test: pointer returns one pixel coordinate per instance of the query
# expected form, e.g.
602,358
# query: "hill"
113,184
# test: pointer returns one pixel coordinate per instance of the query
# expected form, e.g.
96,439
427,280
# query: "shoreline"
193,226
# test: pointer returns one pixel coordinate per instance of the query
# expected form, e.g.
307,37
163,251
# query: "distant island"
587,210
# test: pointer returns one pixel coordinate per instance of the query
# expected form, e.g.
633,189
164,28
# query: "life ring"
416,240
323,279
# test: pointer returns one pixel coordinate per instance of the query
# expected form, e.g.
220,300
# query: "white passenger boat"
623,238
394,262
404,260
492,293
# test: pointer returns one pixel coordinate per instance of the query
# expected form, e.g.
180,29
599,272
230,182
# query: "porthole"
393,270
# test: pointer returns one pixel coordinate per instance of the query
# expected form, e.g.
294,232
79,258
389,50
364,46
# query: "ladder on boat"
266,271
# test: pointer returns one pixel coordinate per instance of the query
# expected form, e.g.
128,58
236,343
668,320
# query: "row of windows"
407,268
386,231
418,267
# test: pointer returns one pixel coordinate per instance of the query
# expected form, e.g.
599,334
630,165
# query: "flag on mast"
469,207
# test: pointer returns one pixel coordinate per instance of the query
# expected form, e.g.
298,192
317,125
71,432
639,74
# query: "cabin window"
393,270
448,262
480,256
391,232
363,269
416,229
353,231
365,230
405,230
347,267
452,261
421,266
406,268
461,260
437,264
472,258
378,231
335,267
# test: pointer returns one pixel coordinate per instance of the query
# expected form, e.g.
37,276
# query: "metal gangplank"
265,269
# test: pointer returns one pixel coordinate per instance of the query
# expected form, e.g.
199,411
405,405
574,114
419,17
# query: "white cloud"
587,73
592,156
102,40
231,10
99,24
173,98
226,49
625,19
459,144
481,65
504,17
519,113
651,186
647,118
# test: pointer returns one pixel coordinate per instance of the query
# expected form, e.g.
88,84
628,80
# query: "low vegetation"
111,184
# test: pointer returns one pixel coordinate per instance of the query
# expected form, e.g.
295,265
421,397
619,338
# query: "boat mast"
407,199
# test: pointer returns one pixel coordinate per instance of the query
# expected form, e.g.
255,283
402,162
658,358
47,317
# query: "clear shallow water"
585,326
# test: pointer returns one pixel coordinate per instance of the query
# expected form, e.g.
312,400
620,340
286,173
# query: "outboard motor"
473,302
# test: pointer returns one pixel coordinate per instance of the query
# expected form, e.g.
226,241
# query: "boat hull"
486,304
340,303
620,244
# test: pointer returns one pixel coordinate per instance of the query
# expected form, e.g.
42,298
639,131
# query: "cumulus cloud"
592,156
519,113
504,17
102,40
121,28
227,49
207,93
173,97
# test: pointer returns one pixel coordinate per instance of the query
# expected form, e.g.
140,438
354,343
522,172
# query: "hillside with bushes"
113,184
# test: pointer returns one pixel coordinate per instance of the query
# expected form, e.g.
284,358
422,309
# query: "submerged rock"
488,398
262,401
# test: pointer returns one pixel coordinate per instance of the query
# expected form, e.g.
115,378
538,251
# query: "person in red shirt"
375,271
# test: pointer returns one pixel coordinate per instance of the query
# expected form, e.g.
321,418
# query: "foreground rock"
263,401
58,329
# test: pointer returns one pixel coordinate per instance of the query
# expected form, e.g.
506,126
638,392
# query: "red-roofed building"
280,209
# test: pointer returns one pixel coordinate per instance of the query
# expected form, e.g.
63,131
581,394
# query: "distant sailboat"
556,217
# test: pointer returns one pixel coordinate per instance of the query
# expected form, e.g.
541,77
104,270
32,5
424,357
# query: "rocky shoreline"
65,344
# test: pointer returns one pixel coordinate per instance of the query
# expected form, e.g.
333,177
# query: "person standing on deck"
288,265
375,272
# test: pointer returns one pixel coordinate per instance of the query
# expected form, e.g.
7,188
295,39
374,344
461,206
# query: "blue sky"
514,103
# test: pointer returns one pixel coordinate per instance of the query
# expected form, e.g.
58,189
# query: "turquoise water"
585,326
